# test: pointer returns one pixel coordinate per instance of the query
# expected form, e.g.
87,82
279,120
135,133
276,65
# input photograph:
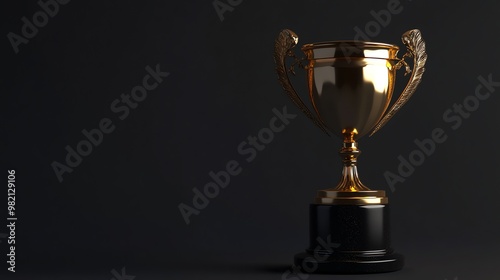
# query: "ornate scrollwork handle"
415,46
283,46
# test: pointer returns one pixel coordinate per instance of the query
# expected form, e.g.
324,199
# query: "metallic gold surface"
286,40
350,85
350,92
351,198
415,48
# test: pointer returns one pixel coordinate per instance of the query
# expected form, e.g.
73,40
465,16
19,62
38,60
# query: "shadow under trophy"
350,86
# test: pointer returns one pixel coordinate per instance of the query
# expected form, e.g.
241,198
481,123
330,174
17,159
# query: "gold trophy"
350,86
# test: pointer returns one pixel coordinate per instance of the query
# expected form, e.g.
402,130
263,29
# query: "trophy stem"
350,181
350,190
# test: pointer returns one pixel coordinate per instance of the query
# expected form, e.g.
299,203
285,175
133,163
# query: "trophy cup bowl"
350,92
350,87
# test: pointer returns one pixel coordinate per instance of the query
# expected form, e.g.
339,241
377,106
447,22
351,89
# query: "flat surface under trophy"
350,86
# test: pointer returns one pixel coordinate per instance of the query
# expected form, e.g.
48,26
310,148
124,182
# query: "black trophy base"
349,239
349,264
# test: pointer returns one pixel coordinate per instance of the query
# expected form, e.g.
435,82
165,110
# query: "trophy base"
349,264
349,239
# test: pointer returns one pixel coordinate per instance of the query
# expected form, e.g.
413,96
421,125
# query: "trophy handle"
415,46
283,45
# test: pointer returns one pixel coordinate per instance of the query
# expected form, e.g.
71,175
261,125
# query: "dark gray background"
119,207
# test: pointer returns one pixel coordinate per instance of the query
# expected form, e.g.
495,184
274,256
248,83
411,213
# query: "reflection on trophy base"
351,264
349,239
